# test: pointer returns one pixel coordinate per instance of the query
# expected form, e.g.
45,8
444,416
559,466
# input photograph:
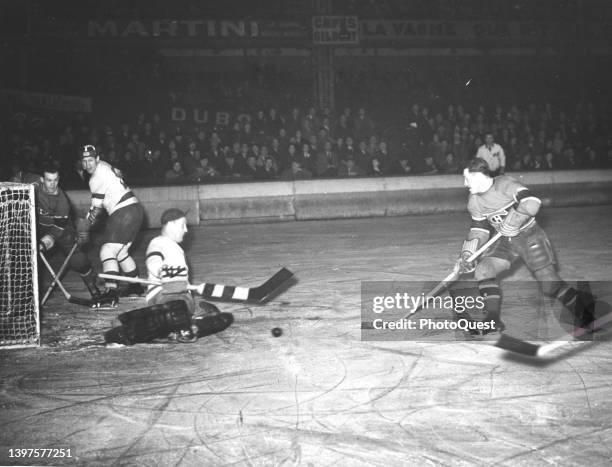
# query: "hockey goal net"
19,313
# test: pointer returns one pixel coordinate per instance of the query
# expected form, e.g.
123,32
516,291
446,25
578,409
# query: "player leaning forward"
109,192
510,208
171,310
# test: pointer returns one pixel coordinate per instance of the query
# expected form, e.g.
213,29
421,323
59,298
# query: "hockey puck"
276,332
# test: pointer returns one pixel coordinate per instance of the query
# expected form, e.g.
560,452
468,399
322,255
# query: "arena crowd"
300,143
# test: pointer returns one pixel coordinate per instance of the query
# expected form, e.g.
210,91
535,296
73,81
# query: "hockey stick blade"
515,345
80,301
257,294
528,349
264,291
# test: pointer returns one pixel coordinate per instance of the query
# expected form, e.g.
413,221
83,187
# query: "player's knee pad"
539,252
490,267
109,251
157,321
123,252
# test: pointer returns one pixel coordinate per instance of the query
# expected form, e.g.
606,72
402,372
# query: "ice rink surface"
317,395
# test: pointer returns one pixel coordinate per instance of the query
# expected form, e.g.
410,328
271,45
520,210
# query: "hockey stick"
70,298
59,274
452,277
223,292
522,347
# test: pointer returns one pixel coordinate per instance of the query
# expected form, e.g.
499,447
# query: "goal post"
19,310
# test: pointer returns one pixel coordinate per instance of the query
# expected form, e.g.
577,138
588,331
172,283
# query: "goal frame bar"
34,261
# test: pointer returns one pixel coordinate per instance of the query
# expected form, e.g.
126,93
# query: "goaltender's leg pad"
212,324
153,322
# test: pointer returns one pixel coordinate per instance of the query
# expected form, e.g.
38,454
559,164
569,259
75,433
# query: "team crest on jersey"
498,217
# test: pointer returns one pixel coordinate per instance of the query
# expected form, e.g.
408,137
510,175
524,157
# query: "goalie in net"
171,311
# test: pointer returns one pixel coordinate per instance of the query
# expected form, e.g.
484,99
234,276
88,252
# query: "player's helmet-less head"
174,224
477,176
89,150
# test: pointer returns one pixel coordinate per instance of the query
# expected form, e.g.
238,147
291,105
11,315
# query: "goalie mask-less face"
176,229
51,182
476,182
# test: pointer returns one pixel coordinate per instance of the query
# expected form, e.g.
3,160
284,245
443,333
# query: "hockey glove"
513,222
467,250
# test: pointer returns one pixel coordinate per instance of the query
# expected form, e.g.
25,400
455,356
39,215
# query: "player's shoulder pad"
474,209
508,184
155,244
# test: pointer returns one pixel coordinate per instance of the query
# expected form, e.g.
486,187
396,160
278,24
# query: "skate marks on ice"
297,402
317,395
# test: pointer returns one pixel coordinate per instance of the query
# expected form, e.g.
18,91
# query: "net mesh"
18,281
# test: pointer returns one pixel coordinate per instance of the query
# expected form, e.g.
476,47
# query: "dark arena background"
328,137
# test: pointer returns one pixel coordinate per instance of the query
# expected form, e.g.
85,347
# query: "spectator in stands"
343,129
538,162
525,163
293,122
268,171
276,151
307,159
375,167
593,161
251,170
175,174
569,160
429,166
231,165
493,153
129,165
363,127
450,165
363,157
205,171
348,168
289,156
150,167
20,175
327,161
274,122
295,172
313,142
549,161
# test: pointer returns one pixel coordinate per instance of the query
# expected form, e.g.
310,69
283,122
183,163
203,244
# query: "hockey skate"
107,299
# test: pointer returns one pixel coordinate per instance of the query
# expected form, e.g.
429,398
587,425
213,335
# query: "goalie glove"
46,242
513,222
467,249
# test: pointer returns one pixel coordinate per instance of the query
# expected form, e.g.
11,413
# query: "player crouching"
55,228
171,307
510,208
